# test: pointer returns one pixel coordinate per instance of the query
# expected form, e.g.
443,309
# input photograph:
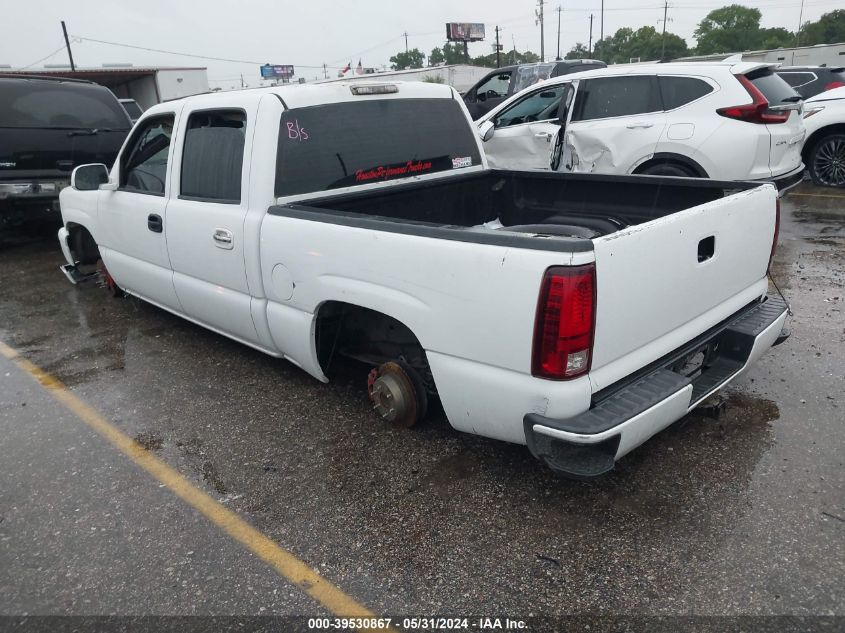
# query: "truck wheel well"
82,245
836,128
673,159
369,336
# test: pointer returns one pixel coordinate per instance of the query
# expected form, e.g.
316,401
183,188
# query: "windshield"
531,74
351,143
28,103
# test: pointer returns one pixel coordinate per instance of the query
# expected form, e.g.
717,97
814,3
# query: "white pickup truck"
577,314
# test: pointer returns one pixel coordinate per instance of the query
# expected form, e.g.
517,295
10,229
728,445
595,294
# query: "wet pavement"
740,515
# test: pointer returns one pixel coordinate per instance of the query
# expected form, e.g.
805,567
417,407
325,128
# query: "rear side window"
797,79
678,91
213,156
132,109
615,96
775,89
354,143
32,103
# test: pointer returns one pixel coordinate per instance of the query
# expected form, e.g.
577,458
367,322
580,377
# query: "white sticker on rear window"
465,161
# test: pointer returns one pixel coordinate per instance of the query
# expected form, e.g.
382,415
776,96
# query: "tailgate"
653,294
787,141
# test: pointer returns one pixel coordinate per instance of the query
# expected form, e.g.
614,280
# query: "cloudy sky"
309,33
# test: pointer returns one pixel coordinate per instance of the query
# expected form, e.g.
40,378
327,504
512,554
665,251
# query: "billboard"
276,71
464,31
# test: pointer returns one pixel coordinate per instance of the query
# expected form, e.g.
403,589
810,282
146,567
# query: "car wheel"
667,169
827,161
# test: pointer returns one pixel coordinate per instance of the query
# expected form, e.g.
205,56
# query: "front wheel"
827,161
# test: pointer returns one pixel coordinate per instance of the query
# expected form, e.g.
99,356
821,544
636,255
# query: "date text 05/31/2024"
424,623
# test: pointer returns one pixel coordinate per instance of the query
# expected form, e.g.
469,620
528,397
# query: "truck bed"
574,208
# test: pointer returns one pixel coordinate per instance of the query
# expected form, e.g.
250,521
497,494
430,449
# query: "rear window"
64,105
775,89
354,143
678,91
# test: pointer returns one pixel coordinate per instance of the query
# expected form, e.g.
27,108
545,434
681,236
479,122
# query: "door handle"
154,223
544,135
223,238
643,125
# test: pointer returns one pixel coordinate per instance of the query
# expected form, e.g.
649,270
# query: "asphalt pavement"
743,515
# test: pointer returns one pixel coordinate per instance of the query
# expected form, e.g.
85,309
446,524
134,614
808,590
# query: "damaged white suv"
727,120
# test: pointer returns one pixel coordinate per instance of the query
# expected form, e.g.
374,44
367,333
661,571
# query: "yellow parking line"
817,195
285,563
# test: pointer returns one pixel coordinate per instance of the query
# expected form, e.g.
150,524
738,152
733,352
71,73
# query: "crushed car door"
615,125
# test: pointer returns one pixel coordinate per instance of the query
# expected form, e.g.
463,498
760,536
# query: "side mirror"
486,130
89,177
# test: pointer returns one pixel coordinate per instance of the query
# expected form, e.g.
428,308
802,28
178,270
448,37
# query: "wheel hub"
393,396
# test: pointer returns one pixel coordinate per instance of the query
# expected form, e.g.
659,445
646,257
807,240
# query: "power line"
159,50
38,61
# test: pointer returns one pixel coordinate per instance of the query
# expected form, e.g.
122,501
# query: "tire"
667,169
827,161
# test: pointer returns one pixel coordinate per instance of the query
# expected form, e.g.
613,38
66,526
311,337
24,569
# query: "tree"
829,29
730,29
776,38
579,51
436,57
646,43
413,58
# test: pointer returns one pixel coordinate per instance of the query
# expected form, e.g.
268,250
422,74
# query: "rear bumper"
624,416
787,181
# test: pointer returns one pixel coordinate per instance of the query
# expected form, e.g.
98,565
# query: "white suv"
726,120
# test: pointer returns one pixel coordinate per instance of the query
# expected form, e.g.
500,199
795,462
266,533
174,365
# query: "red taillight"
834,84
565,322
755,112
777,234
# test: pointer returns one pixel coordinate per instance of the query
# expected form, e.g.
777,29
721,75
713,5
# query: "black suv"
809,81
503,82
48,126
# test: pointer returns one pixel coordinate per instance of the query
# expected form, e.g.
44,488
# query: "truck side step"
74,276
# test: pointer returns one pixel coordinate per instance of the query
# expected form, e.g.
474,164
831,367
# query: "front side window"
213,156
538,106
616,96
678,91
144,164
496,86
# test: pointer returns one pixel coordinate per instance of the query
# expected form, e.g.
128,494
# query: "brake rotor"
393,395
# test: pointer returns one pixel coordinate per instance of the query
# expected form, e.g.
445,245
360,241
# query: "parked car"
809,81
501,83
47,127
360,219
133,110
824,151
728,121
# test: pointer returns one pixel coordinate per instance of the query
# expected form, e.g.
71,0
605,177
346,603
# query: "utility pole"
67,43
242,80
406,41
513,41
601,22
325,71
797,33
559,9
663,38
590,47
539,20
498,48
